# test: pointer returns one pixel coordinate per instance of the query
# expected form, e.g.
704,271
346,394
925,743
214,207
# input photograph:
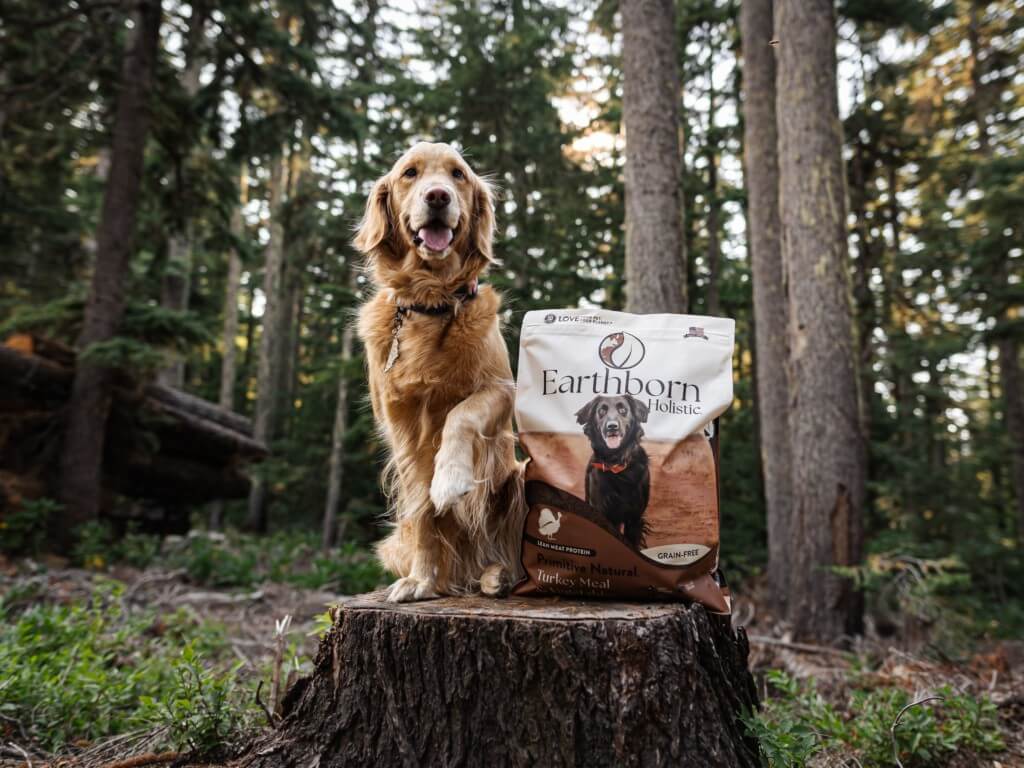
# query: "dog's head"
612,422
429,212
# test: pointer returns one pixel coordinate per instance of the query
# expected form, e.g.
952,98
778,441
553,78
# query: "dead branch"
270,715
896,722
22,752
805,647
148,758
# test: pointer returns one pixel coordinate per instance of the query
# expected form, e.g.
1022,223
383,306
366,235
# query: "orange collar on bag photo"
613,468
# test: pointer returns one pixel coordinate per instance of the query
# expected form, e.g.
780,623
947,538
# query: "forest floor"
110,661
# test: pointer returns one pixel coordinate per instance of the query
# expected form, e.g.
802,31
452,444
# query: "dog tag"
392,354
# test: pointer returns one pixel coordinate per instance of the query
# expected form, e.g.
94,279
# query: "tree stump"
519,682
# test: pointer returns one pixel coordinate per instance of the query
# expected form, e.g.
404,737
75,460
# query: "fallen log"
199,408
172,479
199,450
518,682
182,427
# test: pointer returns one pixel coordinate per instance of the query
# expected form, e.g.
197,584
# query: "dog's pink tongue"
613,441
435,238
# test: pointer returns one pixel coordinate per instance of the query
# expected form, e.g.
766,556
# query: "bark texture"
827,447
655,272
82,452
337,462
267,375
1013,404
761,166
519,682
229,361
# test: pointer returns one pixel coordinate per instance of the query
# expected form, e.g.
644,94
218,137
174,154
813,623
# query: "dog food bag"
618,414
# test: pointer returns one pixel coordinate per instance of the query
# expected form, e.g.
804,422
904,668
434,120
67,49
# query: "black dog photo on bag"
618,479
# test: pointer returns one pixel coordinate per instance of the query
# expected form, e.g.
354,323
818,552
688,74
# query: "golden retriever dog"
440,381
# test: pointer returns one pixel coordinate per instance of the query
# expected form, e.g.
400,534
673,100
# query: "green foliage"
236,560
23,528
797,722
240,560
70,672
124,353
201,708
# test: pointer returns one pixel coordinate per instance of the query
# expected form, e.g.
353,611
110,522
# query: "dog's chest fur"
439,357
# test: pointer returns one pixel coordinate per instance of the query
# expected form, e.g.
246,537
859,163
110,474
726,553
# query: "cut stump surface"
519,682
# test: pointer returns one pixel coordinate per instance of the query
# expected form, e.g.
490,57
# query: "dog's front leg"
482,415
416,536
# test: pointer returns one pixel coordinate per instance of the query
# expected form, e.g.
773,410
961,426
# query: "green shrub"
798,723
23,528
242,560
201,710
82,671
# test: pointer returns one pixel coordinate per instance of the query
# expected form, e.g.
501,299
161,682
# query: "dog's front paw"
410,588
452,480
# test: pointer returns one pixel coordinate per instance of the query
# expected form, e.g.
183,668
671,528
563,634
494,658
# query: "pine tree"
761,172
82,452
824,423
654,252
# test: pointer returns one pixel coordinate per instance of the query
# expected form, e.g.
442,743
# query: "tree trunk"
177,277
266,397
712,302
1013,403
761,165
655,274
337,462
827,451
82,452
519,682
229,359
1007,347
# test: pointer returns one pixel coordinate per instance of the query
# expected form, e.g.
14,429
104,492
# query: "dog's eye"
409,173
458,174
622,410
602,410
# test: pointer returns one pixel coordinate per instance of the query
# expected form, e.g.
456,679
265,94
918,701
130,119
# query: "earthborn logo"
621,351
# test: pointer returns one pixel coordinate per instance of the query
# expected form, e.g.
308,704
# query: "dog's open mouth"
435,235
612,438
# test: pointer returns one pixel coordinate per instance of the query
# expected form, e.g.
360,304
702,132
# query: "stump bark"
519,682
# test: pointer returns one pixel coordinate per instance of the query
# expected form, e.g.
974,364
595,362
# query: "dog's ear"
640,410
375,227
585,414
482,232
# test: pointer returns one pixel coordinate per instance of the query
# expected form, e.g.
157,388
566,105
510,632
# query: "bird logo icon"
621,350
548,523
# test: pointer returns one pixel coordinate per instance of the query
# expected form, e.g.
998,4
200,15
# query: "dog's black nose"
612,426
438,197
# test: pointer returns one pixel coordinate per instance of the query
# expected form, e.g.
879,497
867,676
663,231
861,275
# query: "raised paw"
452,480
410,588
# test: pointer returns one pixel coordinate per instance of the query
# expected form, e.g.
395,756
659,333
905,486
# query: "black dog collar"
464,293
